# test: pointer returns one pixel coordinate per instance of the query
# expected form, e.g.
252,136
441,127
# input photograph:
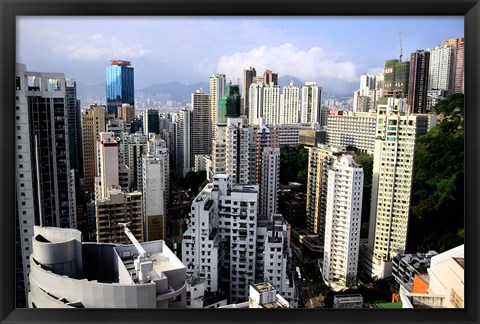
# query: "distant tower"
108,160
93,122
459,63
271,104
440,71
217,91
229,105
151,121
396,78
290,105
248,75
184,146
418,82
201,140
311,103
74,125
269,77
120,85
255,102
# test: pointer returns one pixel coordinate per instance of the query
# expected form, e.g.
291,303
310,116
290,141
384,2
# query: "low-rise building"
348,301
445,283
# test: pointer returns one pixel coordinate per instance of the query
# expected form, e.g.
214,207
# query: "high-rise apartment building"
271,104
269,182
74,125
151,121
108,164
220,242
391,185
135,146
342,223
365,97
226,245
93,122
201,141
287,134
43,177
217,91
120,85
269,77
155,167
357,129
440,71
311,103
418,82
261,139
276,257
396,78
126,112
238,138
229,105
112,205
289,112
247,80
184,162
319,161
459,62
255,102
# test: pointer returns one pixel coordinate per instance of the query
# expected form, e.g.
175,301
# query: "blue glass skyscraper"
119,81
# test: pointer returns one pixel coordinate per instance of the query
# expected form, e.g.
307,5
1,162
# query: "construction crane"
143,264
401,48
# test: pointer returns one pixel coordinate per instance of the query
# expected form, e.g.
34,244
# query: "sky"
333,51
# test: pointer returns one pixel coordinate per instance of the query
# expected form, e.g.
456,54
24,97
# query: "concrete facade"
66,273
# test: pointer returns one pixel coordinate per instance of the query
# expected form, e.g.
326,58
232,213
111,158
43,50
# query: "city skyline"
191,49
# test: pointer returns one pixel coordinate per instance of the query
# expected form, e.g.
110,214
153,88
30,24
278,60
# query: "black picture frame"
470,9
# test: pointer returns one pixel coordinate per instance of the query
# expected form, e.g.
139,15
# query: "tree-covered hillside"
437,205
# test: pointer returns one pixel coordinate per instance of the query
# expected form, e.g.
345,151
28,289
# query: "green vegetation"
390,305
437,205
293,164
378,292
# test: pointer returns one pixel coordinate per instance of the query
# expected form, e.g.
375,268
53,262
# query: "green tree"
293,164
437,209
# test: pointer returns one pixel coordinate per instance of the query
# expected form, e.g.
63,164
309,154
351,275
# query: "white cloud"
97,36
313,64
375,70
89,51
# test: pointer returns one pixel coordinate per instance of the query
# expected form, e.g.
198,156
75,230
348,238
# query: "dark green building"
396,74
229,106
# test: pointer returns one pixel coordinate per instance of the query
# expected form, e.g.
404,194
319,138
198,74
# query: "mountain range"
174,91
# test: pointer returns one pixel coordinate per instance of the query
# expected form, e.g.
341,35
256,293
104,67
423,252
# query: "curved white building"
66,273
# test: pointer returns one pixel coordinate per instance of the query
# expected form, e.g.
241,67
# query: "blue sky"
333,51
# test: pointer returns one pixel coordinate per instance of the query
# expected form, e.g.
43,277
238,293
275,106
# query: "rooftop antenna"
143,264
401,48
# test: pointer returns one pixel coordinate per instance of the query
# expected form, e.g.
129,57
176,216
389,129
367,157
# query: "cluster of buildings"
429,76
97,169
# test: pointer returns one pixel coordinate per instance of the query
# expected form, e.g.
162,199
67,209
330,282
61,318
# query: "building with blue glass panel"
119,81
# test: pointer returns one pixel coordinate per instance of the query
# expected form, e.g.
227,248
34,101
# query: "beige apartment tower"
391,185
93,122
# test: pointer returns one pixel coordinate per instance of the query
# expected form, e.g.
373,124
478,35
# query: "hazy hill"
175,91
